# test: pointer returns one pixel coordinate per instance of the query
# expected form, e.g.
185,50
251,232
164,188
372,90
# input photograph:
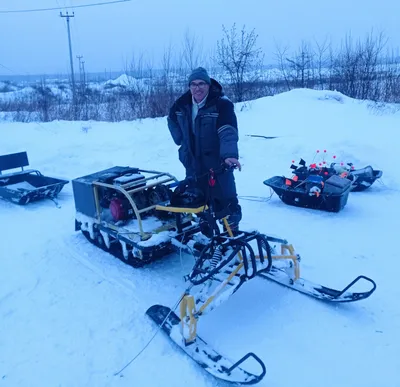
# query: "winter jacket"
214,136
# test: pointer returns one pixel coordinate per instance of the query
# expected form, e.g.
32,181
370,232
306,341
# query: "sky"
109,36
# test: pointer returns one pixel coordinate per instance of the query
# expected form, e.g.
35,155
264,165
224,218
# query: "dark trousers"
223,196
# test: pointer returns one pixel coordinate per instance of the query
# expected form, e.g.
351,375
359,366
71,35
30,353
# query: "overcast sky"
107,36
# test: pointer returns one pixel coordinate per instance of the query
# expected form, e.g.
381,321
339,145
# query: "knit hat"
199,73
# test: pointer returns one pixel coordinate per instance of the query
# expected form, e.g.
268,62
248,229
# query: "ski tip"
157,308
211,361
160,314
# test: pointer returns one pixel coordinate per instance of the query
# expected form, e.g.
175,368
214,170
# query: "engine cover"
120,209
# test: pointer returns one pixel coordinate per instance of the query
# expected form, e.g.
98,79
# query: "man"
203,123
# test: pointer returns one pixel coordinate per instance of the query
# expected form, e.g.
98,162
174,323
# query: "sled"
134,215
322,186
363,178
331,195
26,186
360,179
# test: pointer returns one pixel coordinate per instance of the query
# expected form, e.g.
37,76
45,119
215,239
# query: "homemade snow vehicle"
140,215
26,186
322,187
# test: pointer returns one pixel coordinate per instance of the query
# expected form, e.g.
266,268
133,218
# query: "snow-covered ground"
72,315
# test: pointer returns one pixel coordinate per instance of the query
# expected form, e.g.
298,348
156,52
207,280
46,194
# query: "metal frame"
23,172
129,188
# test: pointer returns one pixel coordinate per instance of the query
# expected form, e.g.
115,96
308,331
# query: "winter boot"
234,218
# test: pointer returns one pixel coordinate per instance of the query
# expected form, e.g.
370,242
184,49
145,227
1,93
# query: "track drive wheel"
115,248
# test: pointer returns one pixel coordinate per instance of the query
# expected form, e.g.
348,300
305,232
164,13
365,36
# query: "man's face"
199,89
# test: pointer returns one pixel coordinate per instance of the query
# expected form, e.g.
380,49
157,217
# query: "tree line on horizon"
364,69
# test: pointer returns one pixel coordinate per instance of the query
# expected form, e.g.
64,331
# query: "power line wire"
76,25
58,8
7,68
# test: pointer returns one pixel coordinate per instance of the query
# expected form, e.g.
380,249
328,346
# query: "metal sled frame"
231,271
188,317
43,186
188,314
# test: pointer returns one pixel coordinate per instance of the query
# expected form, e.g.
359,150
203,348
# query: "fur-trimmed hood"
215,92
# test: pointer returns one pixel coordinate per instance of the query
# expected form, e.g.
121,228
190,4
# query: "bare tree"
133,90
163,92
192,51
210,61
357,67
322,60
390,78
44,100
331,67
302,66
280,55
371,55
238,55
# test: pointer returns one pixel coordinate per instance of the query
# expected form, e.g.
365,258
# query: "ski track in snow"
72,315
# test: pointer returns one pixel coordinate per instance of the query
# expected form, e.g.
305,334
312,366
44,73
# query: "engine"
112,186
119,205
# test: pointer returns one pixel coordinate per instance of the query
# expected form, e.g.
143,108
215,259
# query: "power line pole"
79,57
82,85
82,75
83,72
70,59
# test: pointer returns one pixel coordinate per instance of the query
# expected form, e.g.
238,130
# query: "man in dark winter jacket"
203,123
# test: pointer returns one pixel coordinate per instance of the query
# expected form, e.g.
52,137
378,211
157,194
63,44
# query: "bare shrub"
359,68
6,86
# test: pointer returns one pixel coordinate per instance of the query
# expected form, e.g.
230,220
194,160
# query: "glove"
183,185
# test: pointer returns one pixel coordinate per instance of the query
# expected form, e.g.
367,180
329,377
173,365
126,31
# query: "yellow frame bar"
124,189
189,210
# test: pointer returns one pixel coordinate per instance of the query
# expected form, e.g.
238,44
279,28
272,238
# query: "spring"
216,258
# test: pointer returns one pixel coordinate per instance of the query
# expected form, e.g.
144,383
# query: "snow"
128,178
72,315
163,236
122,80
148,224
24,185
10,96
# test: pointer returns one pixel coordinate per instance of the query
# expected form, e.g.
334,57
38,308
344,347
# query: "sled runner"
222,266
212,361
